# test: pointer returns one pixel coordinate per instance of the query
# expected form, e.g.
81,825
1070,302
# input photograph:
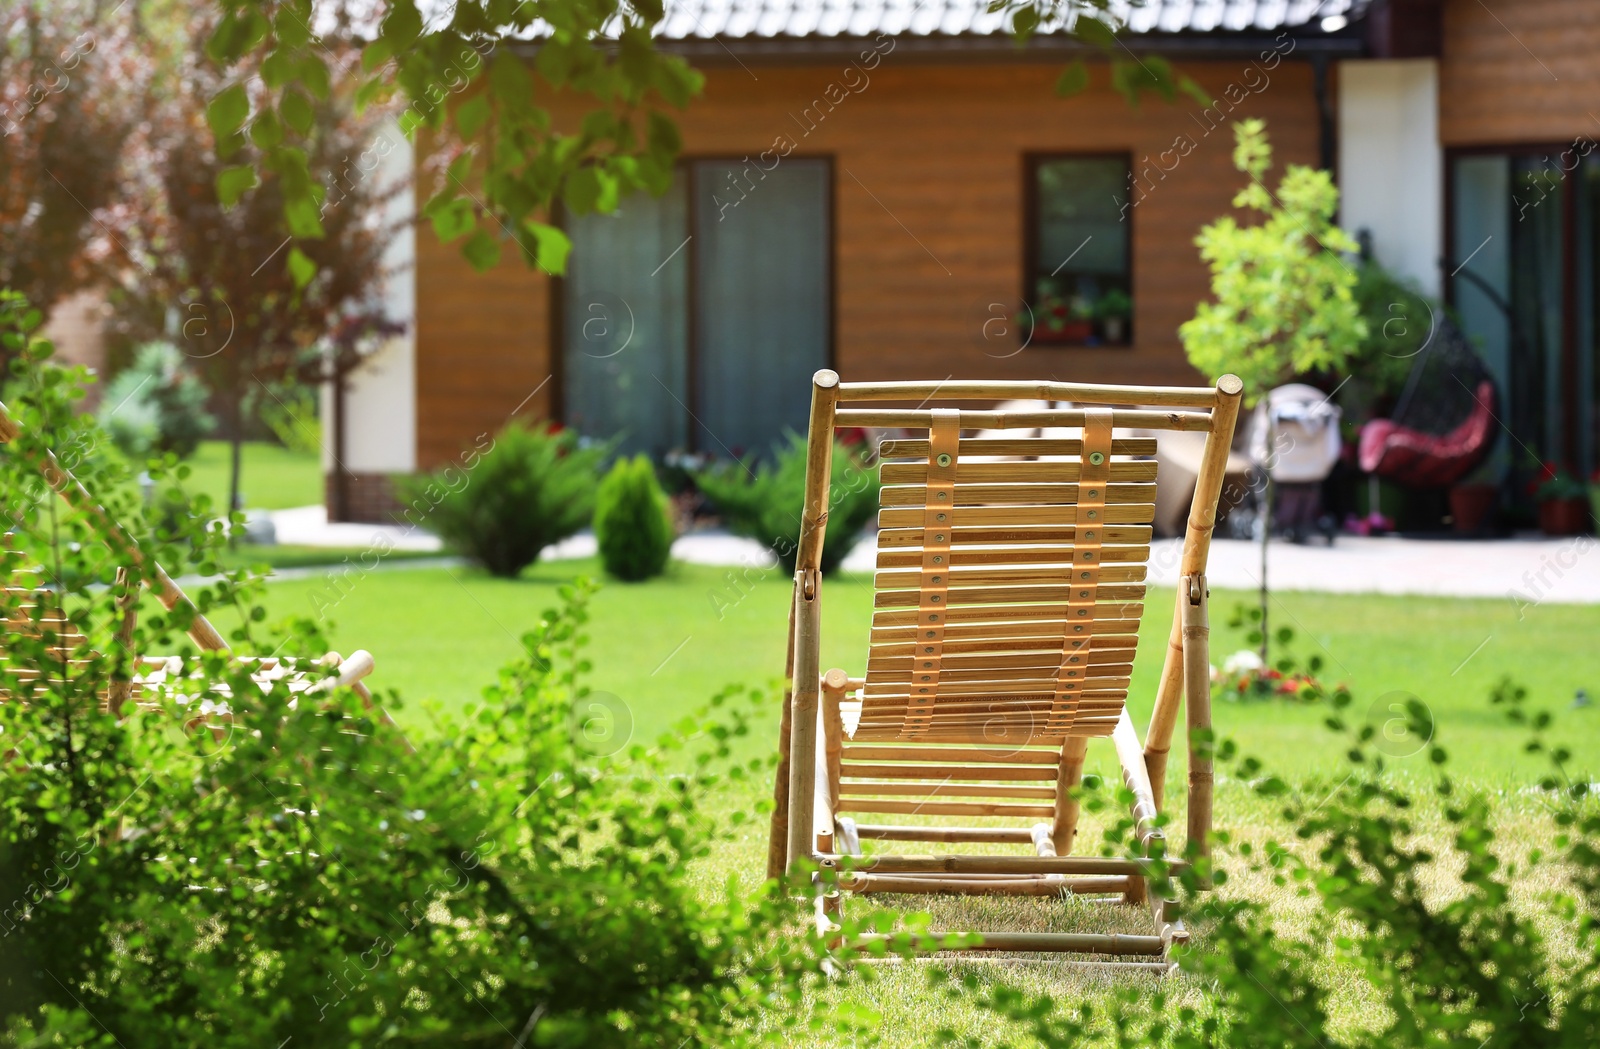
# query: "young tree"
249,295
1284,302
70,92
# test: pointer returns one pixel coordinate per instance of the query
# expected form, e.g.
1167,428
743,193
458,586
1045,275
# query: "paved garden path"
1532,569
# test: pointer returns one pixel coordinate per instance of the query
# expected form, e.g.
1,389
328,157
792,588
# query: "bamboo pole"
834,685
778,835
1196,549
67,486
819,466
1064,826
919,418
803,722
806,676
1026,885
1197,700
952,864
1083,943
986,389
892,832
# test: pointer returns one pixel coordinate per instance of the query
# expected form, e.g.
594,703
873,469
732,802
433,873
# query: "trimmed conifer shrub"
633,521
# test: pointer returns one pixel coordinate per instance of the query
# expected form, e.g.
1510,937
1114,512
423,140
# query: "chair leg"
1064,828
803,719
1197,701
835,683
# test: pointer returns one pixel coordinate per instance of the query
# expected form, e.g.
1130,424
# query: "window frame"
1031,270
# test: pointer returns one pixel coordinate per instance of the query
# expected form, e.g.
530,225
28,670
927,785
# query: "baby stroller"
1304,447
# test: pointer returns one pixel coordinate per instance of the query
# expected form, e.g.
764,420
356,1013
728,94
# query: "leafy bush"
534,486
156,405
1441,965
633,521
764,503
290,412
301,873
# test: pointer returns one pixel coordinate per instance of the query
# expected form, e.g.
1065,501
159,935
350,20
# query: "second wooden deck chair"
34,607
1010,584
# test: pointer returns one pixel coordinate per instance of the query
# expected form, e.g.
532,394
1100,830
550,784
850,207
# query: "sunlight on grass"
661,648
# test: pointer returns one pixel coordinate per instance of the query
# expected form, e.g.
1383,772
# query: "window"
1079,286
694,320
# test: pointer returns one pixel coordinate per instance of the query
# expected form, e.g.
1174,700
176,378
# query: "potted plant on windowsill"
1114,308
1061,320
1563,501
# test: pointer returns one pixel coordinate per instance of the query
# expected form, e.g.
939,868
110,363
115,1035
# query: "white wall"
1391,164
381,396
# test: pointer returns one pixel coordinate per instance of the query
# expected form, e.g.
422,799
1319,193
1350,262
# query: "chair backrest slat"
1011,568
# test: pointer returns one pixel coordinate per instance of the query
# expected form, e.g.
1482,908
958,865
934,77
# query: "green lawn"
661,647
289,555
271,477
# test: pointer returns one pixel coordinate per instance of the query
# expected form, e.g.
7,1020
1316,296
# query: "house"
893,188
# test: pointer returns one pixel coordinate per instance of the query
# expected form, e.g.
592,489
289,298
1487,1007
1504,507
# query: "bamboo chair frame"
161,672
978,658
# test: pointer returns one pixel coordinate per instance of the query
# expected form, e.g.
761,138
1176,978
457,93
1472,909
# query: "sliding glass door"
694,321
1522,280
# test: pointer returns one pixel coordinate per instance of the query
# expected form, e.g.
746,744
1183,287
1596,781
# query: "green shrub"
301,874
291,413
764,503
156,405
633,521
534,486
1433,940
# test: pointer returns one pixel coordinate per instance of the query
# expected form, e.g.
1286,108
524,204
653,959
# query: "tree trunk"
1266,523
236,455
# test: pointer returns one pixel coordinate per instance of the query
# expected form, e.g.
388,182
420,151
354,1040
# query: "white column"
1391,164
381,396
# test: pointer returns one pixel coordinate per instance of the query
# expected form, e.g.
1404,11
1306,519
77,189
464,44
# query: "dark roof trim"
786,50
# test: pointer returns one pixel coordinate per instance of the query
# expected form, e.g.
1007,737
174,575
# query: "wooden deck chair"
150,676
1010,583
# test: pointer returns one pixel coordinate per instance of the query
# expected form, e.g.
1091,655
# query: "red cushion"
1430,460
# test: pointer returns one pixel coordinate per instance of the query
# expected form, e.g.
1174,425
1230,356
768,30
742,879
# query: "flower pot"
1072,332
1116,328
1564,516
1472,505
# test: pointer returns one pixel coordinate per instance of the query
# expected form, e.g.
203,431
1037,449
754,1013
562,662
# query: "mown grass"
662,647
271,477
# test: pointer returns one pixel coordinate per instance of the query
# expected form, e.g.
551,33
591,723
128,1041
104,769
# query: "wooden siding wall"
928,182
1519,72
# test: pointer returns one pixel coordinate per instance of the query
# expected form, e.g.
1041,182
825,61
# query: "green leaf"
1095,32
234,182
226,112
1073,79
471,115
314,76
402,25
266,130
553,247
303,215
297,111
482,250
1024,22
582,190
301,268
452,219
376,54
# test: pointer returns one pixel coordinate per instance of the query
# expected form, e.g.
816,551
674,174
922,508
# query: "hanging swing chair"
1444,423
